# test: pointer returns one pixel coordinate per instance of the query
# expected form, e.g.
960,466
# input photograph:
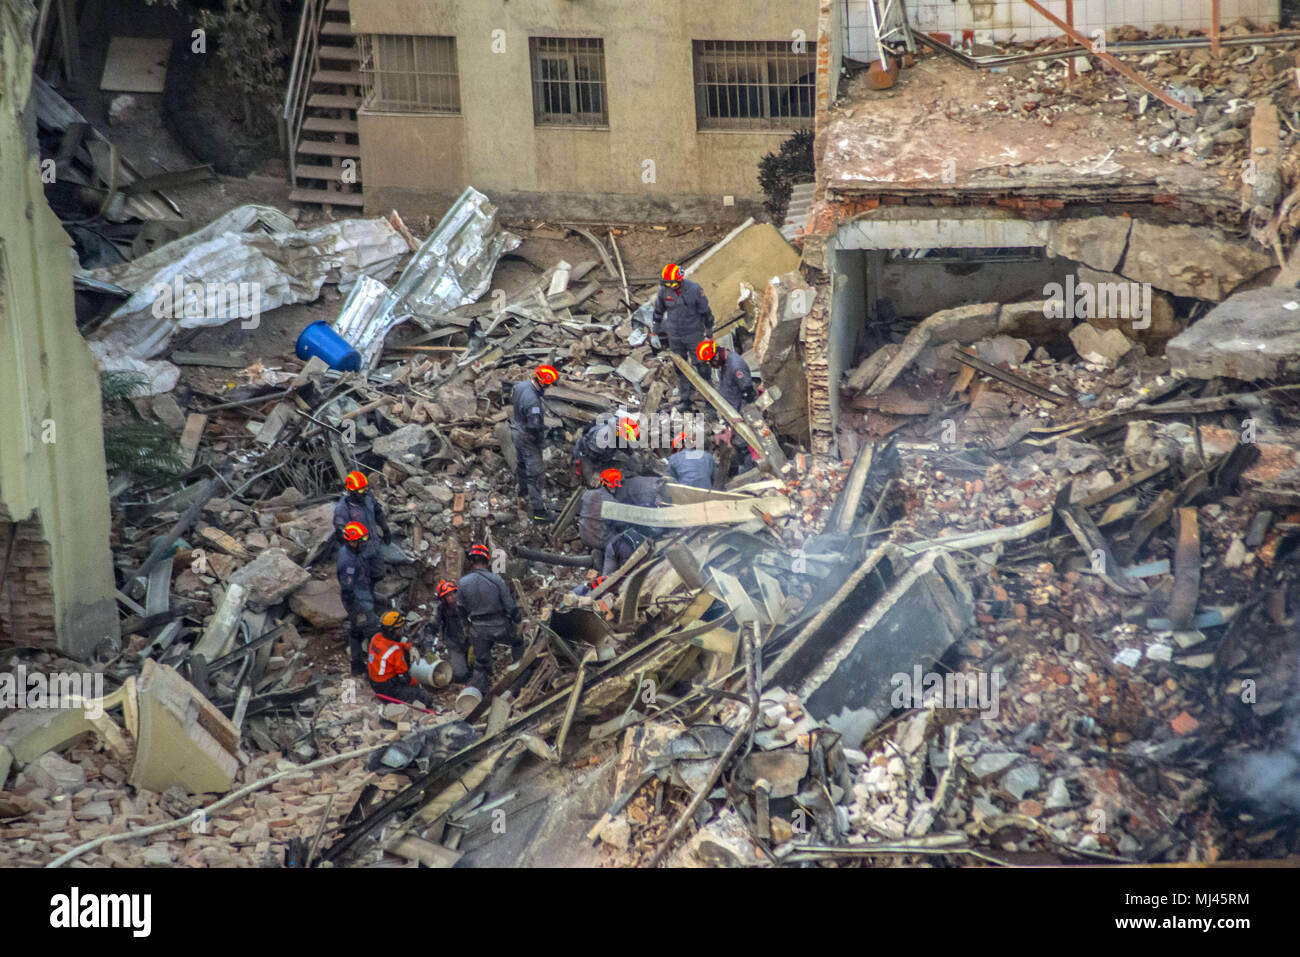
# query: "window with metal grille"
409,74
754,85
568,81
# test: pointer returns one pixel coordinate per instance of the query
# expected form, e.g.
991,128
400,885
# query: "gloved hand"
655,343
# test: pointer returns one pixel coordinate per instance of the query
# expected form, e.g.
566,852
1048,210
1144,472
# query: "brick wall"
26,594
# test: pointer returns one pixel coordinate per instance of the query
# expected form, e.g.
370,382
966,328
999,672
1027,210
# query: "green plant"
779,172
144,450
247,48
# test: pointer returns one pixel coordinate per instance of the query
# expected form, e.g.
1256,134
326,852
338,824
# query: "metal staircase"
319,122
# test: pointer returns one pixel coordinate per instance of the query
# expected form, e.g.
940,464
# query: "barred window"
568,81
753,85
409,74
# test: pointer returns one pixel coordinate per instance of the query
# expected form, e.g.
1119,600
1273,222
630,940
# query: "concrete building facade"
56,573
581,109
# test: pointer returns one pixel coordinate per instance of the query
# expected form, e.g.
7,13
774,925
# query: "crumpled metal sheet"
453,267
260,269
365,319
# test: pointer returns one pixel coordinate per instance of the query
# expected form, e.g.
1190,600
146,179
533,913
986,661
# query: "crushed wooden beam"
1187,570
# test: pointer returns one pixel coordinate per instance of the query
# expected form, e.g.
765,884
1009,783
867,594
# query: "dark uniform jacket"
529,409
368,512
359,570
683,314
692,467
592,529
642,490
485,599
735,382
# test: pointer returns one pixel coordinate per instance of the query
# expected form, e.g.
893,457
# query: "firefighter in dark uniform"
490,615
448,626
689,465
358,504
619,550
736,385
528,430
605,444
388,664
594,530
682,313
359,567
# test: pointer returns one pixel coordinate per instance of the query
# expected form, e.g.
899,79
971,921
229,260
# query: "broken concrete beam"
28,733
1187,569
870,368
408,445
1252,335
1264,191
698,515
963,325
182,739
787,300
318,603
1040,322
270,578
221,629
1099,241
770,457
921,614
1191,260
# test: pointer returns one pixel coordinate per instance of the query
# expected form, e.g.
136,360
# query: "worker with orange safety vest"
358,504
682,313
389,663
359,568
528,430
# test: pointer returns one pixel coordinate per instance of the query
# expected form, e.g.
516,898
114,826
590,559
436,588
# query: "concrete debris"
1253,335
269,578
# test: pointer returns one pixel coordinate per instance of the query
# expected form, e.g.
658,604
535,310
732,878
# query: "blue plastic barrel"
320,339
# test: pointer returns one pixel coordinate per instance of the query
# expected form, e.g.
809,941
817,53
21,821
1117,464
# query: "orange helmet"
480,551
546,375
598,581
629,428
445,588
706,350
611,479
672,273
355,482
355,532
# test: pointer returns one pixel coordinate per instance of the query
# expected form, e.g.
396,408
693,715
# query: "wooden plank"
1187,569
699,514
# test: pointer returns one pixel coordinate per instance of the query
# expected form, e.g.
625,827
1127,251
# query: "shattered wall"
52,475
420,162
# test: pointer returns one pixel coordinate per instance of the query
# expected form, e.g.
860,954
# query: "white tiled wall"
1015,19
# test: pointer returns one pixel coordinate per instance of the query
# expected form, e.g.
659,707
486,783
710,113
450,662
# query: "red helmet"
355,532
629,428
682,440
546,375
445,588
672,273
706,350
355,482
480,551
611,479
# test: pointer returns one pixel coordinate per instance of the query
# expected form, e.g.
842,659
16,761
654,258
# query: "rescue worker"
689,465
736,385
595,531
388,664
735,381
605,443
619,550
447,626
682,313
644,491
358,504
359,568
528,430
490,615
